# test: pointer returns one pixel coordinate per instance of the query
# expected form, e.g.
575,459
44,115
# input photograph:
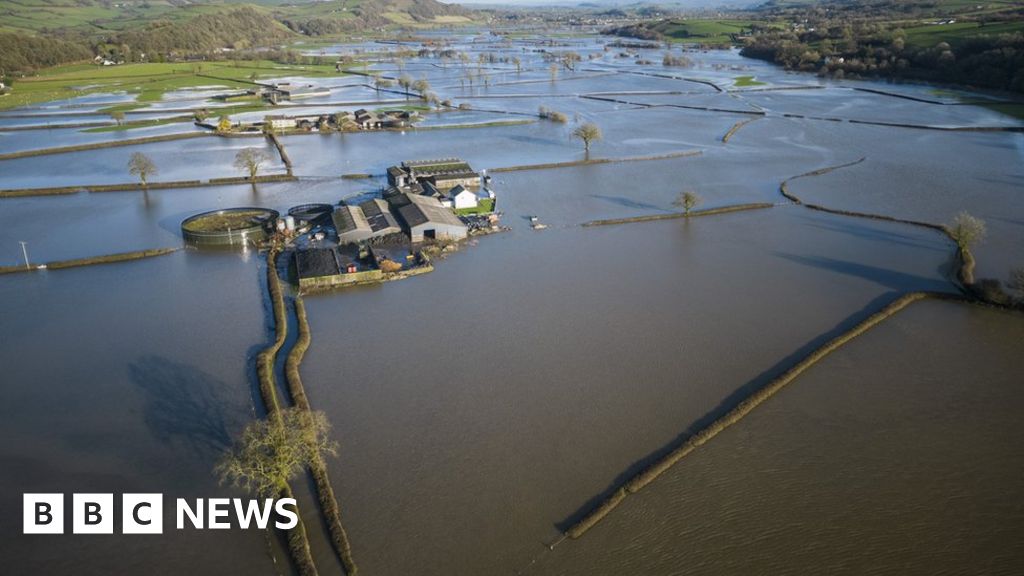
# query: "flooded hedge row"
588,162
677,215
965,272
735,128
98,145
90,261
318,468
138,186
588,521
734,415
298,541
282,152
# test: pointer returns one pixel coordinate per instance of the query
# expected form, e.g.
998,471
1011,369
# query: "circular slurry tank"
310,212
229,227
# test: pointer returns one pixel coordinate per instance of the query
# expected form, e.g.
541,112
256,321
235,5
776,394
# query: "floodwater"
106,393
485,406
482,407
897,454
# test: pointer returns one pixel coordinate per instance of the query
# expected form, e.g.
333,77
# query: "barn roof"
425,209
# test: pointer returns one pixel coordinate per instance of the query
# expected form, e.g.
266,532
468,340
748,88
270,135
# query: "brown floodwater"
484,406
897,454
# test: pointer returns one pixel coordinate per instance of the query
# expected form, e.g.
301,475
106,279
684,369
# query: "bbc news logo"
144,513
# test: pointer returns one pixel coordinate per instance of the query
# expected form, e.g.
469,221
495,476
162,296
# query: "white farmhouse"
461,198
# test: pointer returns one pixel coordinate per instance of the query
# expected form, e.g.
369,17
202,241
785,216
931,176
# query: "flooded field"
860,466
106,393
485,407
528,406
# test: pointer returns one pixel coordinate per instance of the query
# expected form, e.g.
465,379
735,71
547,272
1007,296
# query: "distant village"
275,93
427,208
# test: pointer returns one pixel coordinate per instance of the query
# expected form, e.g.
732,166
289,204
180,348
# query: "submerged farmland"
494,415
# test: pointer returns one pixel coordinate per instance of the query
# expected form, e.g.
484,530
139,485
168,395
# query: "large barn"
370,219
425,218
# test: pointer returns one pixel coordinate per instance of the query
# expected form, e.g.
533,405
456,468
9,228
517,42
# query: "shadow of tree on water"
184,404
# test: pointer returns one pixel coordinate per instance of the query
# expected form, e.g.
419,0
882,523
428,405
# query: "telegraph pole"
25,253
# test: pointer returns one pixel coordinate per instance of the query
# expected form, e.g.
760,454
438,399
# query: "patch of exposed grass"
485,206
742,81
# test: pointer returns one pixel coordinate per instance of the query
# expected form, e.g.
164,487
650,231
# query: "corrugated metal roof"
423,209
350,219
378,216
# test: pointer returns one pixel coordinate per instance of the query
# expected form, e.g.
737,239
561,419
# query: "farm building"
326,267
444,174
370,219
460,198
315,265
289,91
424,218
280,122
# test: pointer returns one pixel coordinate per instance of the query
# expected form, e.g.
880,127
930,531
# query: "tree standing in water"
142,166
687,201
588,133
250,160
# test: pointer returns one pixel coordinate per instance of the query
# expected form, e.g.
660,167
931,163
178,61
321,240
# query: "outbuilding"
425,218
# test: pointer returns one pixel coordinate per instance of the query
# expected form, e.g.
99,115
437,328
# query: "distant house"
289,91
367,120
370,219
425,218
280,122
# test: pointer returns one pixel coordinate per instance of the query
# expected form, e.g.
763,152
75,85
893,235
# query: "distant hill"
106,16
38,33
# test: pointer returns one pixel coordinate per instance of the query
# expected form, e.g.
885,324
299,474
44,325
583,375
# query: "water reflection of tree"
185,404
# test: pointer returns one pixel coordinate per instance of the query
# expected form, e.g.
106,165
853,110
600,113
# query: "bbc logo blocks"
92,514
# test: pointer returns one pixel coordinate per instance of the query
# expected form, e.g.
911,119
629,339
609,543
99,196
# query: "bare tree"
250,160
381,83
405,81
117,116
518,63
687,201
588,133
553,70
142,166
272,451
967,230
422,86
432,99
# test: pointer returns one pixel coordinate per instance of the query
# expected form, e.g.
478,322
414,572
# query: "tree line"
984,61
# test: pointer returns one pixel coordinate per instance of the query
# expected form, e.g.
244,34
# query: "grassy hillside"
40,33
692,30
105,16
931,34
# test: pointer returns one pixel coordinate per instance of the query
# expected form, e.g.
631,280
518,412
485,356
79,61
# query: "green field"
742,81
148,82
485,206
710,31
930,35
95,16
